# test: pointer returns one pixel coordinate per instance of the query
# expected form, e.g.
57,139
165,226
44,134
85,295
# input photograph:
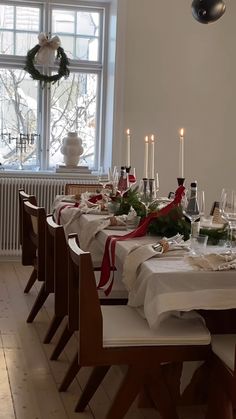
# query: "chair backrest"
23,196
80,271
34,222
77,189
56,261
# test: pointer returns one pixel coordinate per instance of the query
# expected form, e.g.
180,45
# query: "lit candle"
145,173
181,153
152,157
128,148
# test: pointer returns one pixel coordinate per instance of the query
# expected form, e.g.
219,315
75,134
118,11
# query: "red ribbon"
109,265
94,199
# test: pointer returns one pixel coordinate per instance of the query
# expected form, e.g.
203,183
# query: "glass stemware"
144,193
201,202
190,207
228,210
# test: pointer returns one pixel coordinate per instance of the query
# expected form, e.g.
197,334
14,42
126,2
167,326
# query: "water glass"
198,244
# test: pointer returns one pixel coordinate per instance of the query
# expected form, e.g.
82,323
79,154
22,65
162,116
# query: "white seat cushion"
123,326
224,347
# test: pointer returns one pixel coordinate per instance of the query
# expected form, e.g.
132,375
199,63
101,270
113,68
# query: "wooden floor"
29,380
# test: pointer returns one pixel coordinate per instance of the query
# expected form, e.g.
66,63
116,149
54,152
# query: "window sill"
47,174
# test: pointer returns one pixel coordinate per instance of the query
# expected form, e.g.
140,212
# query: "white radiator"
45,190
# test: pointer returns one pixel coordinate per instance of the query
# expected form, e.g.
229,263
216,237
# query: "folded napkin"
142,253
117,220
214,261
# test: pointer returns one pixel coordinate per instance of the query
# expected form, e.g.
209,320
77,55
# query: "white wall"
179,73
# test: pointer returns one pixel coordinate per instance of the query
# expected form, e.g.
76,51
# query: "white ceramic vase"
72,149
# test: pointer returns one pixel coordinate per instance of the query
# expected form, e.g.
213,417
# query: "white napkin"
139,255
214,261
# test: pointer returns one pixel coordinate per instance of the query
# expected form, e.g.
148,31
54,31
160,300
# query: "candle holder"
180,181
23,144
145,189
148,190
152,191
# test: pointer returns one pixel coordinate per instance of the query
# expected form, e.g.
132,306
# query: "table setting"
171,256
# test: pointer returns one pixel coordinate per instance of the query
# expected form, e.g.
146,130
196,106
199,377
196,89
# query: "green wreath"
63,70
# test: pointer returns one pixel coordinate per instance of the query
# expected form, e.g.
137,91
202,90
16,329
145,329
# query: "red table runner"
108,265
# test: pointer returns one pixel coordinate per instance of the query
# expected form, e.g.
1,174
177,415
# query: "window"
34,117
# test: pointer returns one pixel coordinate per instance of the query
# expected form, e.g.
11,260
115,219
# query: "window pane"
84,30
24,42
13,20
6,43
87,49
67,43
6,16
27,18
63,21
18,119
87,23
73,108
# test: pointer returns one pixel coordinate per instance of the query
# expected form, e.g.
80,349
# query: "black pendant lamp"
208,11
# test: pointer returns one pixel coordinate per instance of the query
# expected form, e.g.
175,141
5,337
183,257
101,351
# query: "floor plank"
29,380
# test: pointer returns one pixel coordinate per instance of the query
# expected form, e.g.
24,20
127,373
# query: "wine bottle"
193,208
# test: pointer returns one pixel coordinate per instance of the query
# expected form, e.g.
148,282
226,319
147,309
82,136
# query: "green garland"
169,225
128,200
215,234
36,75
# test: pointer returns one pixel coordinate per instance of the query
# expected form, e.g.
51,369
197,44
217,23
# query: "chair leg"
70,374
31,281
55,323
66,335
160,395
126,394
40,300
219,403
92,385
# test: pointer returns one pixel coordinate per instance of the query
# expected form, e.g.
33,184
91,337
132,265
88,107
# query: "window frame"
86,66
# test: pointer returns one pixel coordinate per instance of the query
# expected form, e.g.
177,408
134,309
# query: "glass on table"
228,211
190,209
198,244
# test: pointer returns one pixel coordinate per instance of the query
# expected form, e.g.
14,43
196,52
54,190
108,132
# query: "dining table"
163,285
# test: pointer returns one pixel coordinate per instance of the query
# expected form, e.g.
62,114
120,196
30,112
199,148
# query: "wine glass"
228,209
201,202
144,193
190,207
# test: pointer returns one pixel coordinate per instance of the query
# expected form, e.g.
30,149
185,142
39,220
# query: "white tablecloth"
168,283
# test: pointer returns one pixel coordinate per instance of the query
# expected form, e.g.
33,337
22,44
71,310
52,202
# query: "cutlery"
175,240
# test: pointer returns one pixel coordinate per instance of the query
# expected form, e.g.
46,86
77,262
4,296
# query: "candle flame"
128,131
146,139
181,133
152,138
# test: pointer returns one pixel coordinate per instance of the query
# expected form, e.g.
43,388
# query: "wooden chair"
28,253
77,188
222,394
69,307
34,220
118,335
56,271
